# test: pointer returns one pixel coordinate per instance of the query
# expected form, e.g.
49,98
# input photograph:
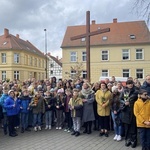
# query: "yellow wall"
115,64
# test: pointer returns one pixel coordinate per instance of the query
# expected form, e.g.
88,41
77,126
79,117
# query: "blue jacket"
146,87
9,106
24,104
2,101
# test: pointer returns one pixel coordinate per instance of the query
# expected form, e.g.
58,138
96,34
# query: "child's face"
5,91
75,94
68,93
25,93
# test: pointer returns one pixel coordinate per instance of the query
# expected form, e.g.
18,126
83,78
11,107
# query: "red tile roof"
119,34
11,42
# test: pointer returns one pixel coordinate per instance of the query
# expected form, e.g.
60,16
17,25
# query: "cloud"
29,18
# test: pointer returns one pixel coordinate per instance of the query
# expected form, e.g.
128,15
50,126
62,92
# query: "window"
31,61
139,54
3,57
25,59
51,72
84,74
3,75
72,74
132,36
104,55
16,58
125,54
39,63
83,56
16,75
35,61
104,38
104,73
126,73
52,65
139,73
73,56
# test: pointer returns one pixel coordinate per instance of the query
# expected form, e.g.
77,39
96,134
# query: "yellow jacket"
103,98
142,112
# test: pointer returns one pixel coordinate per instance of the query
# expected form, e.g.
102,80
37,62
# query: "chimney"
17,35
49,54
115,20
57,57
93,21
6,33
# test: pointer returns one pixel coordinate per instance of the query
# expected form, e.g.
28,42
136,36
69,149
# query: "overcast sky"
29,18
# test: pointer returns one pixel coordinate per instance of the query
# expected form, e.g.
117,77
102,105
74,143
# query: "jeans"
76,124
11,124
68,119
117,128
48,117
59,114
145,137
37,119
24,120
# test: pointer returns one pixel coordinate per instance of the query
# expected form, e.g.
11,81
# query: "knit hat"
114,88
10,91
60,91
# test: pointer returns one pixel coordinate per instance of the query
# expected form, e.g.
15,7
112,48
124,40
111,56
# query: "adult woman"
102,98
87,95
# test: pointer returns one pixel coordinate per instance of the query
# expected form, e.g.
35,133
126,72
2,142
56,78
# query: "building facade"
55,67
122,52
20,59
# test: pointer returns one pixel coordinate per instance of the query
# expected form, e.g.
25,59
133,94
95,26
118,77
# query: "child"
48,110
2,101
38,107
67,110
59,105
24,106
142,113
76,105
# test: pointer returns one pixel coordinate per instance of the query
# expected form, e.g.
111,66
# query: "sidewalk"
60,140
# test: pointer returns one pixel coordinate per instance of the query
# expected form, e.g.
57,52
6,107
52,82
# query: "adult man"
146,84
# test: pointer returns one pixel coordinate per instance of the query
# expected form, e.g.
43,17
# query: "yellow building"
122,52
20,59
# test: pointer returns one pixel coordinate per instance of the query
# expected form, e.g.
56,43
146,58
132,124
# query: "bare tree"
142,8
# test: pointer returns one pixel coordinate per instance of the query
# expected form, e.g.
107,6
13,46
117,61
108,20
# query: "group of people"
71,105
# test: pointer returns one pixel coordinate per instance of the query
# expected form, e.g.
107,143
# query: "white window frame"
16,75
72,74
105,73
73,56
123,52
35,62
84,74
3,75
140,72
16,58
124,71
136,53
105,54
84,56
3,56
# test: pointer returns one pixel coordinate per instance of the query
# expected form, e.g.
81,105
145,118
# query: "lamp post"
46,52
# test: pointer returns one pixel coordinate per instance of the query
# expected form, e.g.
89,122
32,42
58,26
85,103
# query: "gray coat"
88,112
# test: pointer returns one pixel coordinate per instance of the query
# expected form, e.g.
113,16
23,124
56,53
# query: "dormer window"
104,38
132,36
83,39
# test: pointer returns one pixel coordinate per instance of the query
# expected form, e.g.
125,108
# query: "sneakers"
49,127
46,127
118,138
56,128
60,128
115,138
66,130
35,129
39,128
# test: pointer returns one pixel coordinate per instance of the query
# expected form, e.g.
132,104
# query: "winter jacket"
2,101
24,104
78,105
48,101
59,103
12,107
103,98
142,112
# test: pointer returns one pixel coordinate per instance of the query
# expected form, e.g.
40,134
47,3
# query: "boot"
127,143
133,144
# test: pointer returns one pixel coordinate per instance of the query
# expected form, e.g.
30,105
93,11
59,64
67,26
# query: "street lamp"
46,52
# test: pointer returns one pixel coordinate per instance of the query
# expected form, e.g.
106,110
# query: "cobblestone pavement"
60,140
